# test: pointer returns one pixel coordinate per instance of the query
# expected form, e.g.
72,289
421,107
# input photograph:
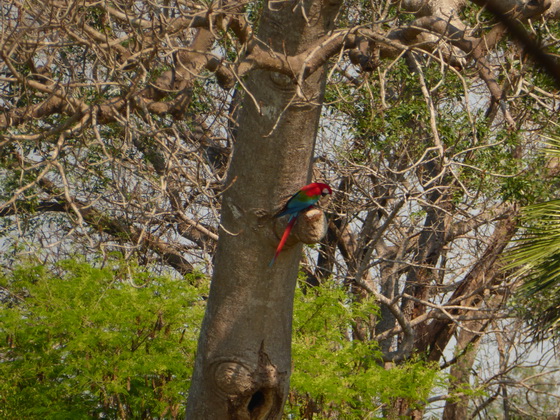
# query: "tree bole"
243,362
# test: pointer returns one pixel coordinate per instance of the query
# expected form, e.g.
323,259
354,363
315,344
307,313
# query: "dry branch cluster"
117,121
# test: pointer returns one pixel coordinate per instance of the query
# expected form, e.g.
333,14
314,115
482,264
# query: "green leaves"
339,372
86,343
535,259
81,342
538,250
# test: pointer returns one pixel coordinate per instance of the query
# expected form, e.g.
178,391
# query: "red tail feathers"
284,238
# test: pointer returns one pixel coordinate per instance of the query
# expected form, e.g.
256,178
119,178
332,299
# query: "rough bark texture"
240,372
468,342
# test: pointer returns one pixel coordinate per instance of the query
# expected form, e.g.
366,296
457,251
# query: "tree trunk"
467,344
243,362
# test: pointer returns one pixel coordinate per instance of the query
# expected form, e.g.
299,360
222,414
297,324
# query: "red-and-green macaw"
303,199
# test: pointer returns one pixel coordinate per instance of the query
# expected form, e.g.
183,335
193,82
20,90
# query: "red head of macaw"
302,200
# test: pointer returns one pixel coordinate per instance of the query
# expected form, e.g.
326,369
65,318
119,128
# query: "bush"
79,342
86,343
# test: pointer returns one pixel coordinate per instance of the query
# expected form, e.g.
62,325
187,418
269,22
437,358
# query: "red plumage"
284,238
316,188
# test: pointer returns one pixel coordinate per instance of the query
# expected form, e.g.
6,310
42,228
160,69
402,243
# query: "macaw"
302,200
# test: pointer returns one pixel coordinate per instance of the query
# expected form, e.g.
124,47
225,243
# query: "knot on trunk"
252,393
233,378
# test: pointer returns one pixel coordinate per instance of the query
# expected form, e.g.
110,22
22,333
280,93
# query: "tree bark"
468,342
242,368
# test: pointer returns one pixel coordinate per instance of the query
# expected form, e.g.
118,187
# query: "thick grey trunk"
242,368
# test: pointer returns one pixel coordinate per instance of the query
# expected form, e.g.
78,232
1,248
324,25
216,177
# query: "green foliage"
81,342
85,343
335,374
395,127
536,260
